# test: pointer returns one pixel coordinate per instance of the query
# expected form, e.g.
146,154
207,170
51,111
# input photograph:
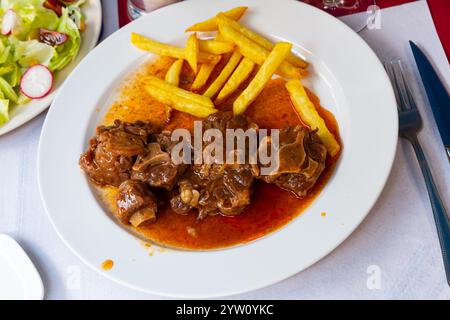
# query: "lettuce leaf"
8,91
28,53
76,16
66,52
5,69
13,77
16,4
23,99
4,111
5,54
32,15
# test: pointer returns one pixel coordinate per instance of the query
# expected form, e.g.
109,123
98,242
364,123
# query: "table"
396,244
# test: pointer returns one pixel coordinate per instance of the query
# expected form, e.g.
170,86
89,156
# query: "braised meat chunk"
226,190
232,192
111,153
136,158
301,160
226,120
156,167
136,203
216,188
186,198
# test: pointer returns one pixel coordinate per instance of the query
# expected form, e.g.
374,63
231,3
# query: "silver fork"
410,124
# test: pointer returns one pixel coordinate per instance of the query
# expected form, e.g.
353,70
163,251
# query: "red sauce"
271,207
107,265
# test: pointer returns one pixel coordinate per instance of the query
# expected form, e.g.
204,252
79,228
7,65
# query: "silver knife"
437,95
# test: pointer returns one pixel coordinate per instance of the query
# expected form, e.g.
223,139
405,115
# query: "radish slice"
9,21
36,82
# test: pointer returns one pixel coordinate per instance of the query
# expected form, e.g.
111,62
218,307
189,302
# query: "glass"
341,4
138,8
345,7
337,7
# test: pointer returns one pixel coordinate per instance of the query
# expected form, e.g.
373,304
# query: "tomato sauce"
271,207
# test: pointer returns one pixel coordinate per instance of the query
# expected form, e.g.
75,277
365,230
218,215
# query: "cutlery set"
410,123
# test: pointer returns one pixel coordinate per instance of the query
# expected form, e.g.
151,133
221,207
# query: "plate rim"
273,280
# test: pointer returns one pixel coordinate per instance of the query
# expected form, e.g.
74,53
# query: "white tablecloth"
393,254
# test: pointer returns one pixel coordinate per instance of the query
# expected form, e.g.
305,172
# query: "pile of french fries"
249,55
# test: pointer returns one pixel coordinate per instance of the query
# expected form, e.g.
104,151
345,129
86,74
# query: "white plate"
21,114
18,276
348,78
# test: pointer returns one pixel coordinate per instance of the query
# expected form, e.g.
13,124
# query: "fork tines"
405,100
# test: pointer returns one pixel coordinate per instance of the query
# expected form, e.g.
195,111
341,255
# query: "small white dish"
21,114
19,278
345,74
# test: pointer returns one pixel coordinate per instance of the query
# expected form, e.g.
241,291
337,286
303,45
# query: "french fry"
310,116
263,42
247,47
224,75
173,77
219,37
254,51
163,49
156,47
215,47
239,75
203,75
175,91
264,74
179,103
192,50
204,57
173,74
211,24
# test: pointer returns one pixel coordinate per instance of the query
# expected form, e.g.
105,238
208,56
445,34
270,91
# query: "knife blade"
438,96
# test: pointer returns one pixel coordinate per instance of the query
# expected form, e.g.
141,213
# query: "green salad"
44,33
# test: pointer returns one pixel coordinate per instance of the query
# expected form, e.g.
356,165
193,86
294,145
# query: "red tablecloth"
440,10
